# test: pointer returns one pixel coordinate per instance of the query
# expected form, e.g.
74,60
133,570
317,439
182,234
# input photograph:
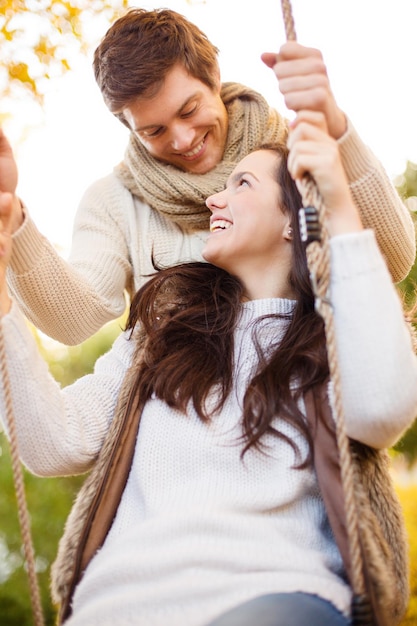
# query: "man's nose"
182,137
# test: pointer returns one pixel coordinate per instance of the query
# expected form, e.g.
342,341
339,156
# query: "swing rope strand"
318,261
22,508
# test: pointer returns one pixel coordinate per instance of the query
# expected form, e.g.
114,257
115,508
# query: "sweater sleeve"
69,301
59,431
378,366
379,204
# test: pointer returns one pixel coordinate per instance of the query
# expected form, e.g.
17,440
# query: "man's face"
184,123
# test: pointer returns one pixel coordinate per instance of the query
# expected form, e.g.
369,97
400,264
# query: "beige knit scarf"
181,196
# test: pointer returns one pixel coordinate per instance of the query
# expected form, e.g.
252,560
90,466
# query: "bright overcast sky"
370,49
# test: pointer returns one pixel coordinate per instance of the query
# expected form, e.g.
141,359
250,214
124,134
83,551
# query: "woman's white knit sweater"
199,530
115,236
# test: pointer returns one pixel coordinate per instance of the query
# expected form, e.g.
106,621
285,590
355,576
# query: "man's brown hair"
140,48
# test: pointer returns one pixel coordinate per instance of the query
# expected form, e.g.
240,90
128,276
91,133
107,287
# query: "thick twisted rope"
23,513
318,261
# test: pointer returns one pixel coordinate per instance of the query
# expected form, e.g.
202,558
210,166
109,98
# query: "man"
159,75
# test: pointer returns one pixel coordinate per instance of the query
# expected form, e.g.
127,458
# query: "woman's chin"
209,254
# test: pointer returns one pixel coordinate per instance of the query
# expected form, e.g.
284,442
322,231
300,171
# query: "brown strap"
326,463
107,499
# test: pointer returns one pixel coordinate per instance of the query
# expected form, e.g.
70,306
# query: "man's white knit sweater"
115,235
199,530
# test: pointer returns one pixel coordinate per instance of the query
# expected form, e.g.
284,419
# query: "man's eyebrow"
138,129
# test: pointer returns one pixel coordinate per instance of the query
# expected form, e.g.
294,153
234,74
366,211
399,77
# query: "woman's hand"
6,212
8,179
313,151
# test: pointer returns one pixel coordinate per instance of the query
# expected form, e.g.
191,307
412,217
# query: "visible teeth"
195,151
219,225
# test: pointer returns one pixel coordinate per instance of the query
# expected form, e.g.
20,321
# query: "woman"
222,517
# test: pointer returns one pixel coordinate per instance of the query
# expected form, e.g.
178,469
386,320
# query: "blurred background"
64,138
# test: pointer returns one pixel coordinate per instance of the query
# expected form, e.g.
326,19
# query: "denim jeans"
283,609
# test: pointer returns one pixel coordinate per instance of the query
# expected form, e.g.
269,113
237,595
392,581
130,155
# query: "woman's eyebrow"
235,178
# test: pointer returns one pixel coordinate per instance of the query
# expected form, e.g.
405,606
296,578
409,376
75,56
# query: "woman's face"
248,230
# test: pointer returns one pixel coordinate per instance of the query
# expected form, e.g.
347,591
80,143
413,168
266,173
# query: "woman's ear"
288,232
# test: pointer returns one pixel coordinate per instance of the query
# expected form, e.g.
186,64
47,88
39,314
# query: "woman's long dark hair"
189,313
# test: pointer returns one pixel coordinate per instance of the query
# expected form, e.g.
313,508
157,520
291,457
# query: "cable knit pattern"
115,233
198,530
370,186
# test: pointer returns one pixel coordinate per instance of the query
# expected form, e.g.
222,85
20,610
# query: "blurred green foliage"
406,185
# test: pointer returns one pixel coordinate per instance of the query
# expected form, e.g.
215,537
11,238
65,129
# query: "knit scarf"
180,196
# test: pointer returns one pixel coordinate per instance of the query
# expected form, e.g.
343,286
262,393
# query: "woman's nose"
216,201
